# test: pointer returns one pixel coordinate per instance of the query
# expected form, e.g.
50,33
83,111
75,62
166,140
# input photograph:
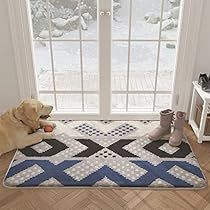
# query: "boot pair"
164,130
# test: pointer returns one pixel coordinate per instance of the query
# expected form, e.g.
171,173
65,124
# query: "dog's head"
34,109
31,110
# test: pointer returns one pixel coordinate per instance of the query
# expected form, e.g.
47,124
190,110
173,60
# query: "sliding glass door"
107,59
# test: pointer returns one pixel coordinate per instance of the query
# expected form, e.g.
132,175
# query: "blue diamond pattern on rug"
104,156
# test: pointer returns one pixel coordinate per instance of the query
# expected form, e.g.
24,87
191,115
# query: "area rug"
105,154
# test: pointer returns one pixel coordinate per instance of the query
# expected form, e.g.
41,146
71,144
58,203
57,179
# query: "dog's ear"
28,110
31,112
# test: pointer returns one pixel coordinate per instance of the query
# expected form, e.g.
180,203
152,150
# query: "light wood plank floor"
44,199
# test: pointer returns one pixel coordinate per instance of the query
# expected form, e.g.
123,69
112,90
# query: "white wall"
9,95
202,62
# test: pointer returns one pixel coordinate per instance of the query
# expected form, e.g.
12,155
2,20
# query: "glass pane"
166,66
64,19
120,25
118,102
145,19
143,61
71,102
163,101
119,65
47,99
90,66
43,65
66,56
91,103
90,81
140,102
67,65
170,19
39,18
89,19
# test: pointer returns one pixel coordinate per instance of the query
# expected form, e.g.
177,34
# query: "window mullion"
51,53
81,55
129,46
158,53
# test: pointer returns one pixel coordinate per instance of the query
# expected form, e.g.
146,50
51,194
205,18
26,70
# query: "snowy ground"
143,54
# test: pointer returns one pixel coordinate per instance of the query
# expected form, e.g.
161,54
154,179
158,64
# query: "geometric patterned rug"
105,154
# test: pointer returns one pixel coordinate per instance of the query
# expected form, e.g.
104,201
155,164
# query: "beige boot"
166,119
177,135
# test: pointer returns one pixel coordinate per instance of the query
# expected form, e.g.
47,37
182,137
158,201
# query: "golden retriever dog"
18,125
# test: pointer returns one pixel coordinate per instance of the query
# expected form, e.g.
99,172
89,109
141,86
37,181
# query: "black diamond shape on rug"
56,145
117,147
92,148
153,147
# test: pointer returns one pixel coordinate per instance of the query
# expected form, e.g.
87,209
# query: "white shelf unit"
205,97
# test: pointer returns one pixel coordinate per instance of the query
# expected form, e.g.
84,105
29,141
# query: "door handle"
108,13
105,13
102,13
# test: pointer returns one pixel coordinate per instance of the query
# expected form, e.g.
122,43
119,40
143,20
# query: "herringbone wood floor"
44,199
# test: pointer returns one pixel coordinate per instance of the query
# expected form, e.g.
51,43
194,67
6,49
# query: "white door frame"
104,49
21,30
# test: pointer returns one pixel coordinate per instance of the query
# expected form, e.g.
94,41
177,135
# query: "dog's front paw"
52,124
48,135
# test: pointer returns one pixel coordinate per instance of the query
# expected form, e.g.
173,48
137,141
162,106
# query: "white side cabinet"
198,92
